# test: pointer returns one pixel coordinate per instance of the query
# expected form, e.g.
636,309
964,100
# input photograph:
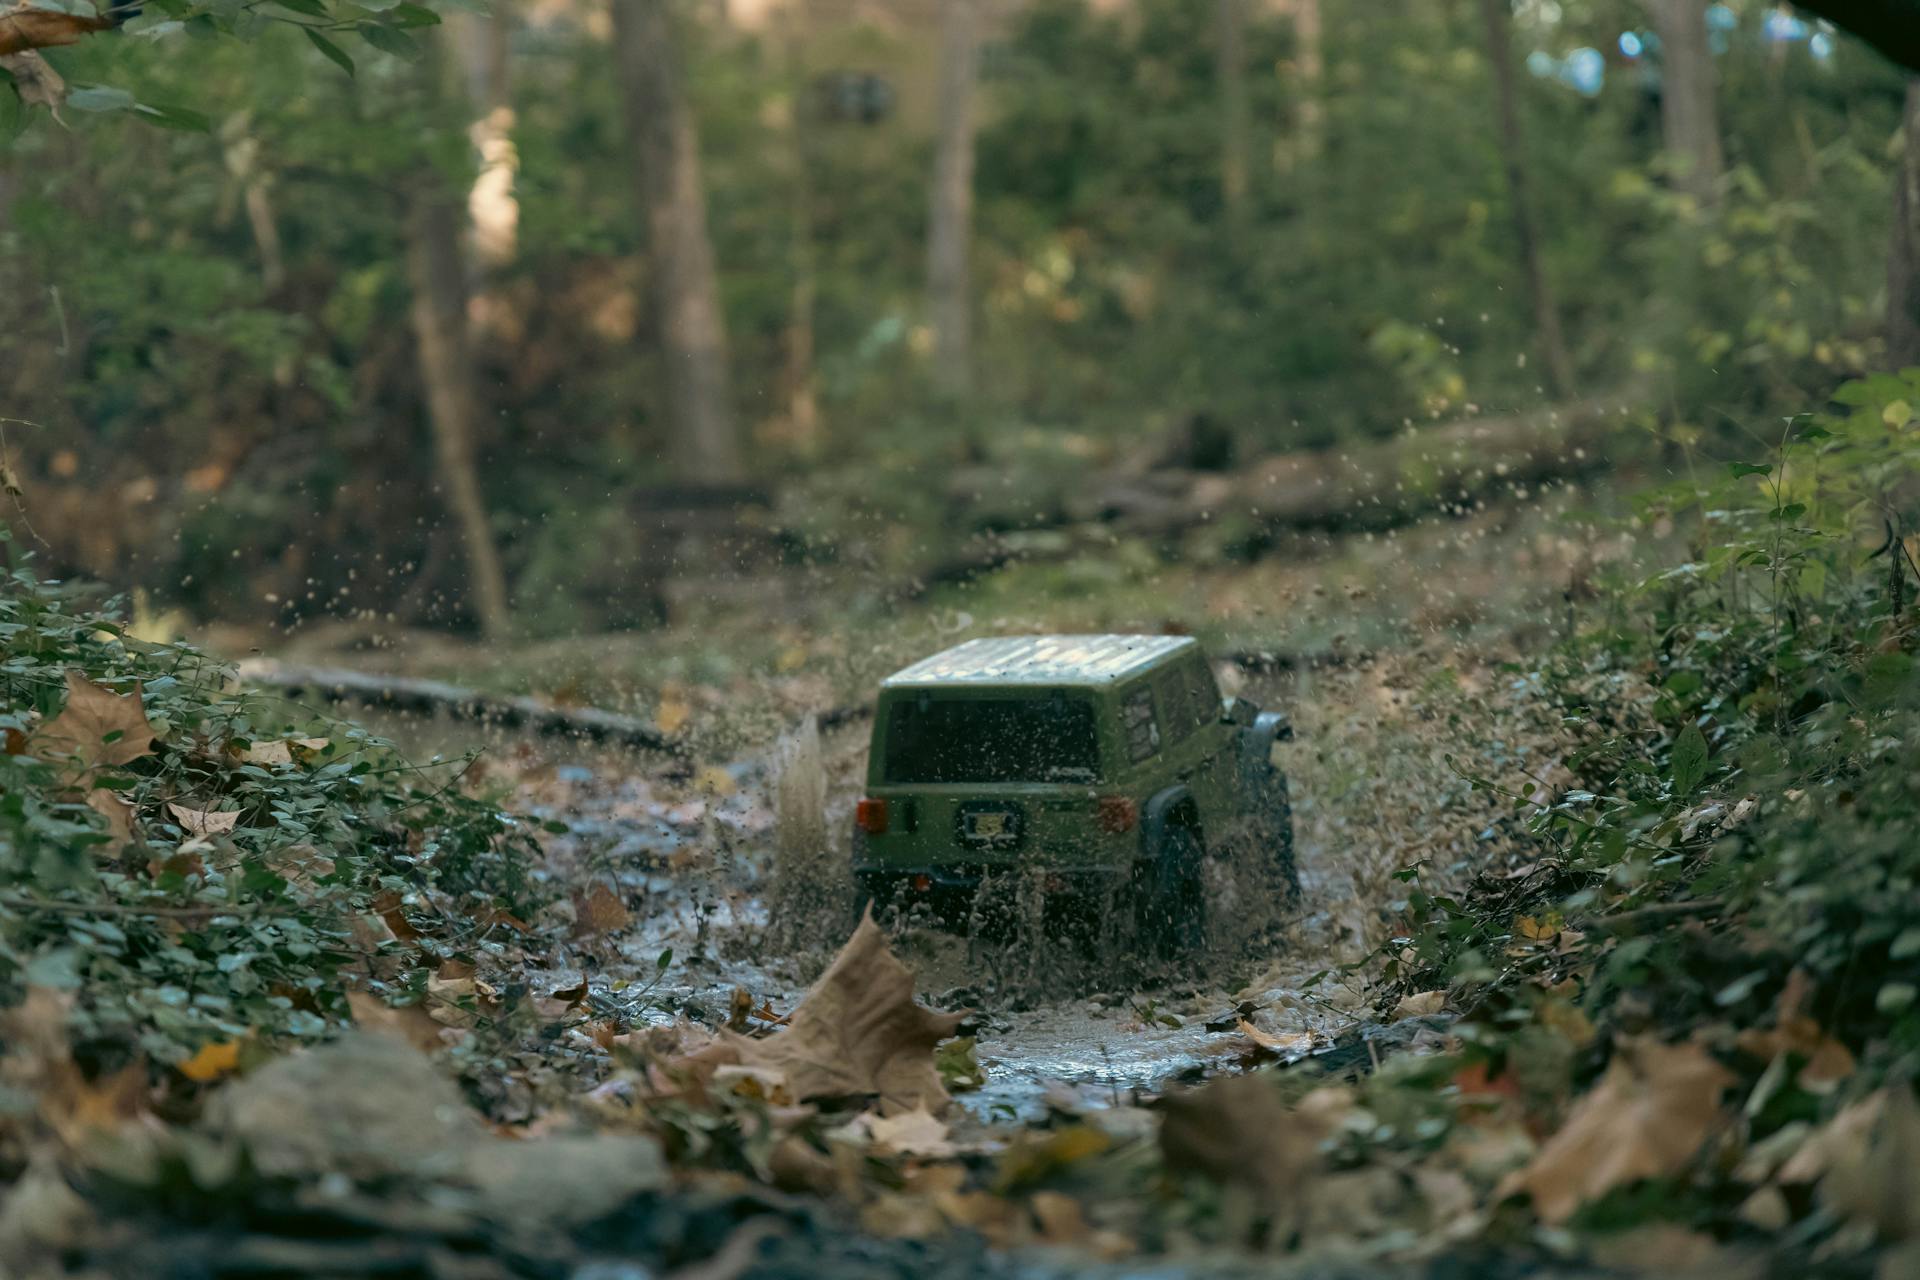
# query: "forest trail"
689,860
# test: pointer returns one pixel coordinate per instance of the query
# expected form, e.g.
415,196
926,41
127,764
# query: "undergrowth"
1731,832
228,880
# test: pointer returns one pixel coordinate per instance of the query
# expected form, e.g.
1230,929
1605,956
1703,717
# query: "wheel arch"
1167,809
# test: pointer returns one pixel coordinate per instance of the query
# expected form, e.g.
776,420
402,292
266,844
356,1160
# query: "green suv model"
1104,766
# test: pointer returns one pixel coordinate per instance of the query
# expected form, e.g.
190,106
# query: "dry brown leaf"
1876,1183
911,1133
1646,1118
203,822
35,80
858,1032
1059,1216
412,1025
98,726
268,753
118,813
1239,1131
1827,1061
599,910
38,1062
1288,1044
1420,1004
24,28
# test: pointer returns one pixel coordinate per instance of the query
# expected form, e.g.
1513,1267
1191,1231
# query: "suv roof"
1044,660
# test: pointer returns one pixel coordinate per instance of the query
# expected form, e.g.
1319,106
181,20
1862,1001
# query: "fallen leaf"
599,910
1420,1004
412,1025
268,753
857,1033
1059,1216
911,1133
38,1063
1239,1131
98,726
24,27
1826,1061
213,1061
1876,1184
1288,1044
118,813
203,822
35,80
1647,1118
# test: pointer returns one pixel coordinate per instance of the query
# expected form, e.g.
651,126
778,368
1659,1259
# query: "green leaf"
1689,761
175,118
389,40
408,17
334,53
101,98
1737,470
312,8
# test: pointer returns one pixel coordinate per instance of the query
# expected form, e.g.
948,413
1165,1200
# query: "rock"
365,1105
564,1181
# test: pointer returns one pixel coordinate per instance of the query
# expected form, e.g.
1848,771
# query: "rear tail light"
870,816
1116,815
922,883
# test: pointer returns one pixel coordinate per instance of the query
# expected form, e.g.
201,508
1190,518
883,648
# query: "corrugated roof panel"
1041,660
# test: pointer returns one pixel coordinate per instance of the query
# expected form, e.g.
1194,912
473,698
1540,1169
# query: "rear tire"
1171,900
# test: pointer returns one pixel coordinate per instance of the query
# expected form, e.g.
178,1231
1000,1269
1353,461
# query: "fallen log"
1369,486
1372,485
411,694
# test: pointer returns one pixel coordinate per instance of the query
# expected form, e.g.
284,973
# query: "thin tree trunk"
1310,58
493,211
243,162
802,409
439,313
1689,119
1526,243
1903,263
950,224
1230,71
686,292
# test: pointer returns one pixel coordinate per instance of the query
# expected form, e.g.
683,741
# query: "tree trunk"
439,313
800,406
1903,263
493,211
1689,120
950,224
1546,311
243,162
1230,72
1310,57
686,293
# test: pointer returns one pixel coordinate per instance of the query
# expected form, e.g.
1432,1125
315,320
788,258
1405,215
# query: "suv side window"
1176,696
1203,692
1139,724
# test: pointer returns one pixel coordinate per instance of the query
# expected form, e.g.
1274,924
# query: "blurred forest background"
559,318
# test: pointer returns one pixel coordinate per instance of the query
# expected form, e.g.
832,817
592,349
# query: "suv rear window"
1046,739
